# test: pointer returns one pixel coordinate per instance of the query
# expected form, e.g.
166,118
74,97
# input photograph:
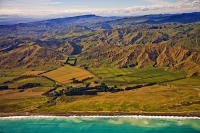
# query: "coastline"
105,114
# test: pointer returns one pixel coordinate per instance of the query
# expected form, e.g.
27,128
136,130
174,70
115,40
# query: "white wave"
138,116
30,117
101,116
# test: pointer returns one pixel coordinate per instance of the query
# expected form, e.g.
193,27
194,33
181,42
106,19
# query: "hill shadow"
77,49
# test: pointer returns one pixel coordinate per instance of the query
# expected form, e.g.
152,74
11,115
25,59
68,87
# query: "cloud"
179,6
184,1
55,3
194,5
196,2
30,3
161,2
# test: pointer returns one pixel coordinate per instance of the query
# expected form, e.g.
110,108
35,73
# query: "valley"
147,64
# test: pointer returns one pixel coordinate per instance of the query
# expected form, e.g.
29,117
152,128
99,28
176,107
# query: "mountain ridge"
127,42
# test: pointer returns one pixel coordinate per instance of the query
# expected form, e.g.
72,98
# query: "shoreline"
104,114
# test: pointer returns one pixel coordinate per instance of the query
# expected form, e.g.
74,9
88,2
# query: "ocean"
99,124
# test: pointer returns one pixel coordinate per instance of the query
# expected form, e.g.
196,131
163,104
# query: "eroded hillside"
173,57
104,44
26,55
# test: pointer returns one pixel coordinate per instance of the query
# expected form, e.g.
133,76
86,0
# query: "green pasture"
9,74
124,76
193,81
43,81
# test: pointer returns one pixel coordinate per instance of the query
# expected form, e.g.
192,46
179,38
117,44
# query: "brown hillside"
174,57
29,56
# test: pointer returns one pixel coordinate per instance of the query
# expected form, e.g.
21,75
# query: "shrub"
4,87
29,85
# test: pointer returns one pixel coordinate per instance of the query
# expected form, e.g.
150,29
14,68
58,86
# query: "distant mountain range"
159,19
164,40
91,19
59,22
14,19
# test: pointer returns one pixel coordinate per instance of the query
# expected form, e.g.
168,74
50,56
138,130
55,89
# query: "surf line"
99,116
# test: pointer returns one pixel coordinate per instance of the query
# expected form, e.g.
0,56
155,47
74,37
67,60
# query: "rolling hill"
169,40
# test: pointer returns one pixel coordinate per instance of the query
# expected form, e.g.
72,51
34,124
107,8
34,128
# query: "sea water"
99,124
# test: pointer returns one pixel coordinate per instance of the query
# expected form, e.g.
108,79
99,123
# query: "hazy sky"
100,7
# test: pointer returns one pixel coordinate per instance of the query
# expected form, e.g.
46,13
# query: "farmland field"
15,101
192,81
65,74
34,73
9,74
123,76
71,60
43,81
31,100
